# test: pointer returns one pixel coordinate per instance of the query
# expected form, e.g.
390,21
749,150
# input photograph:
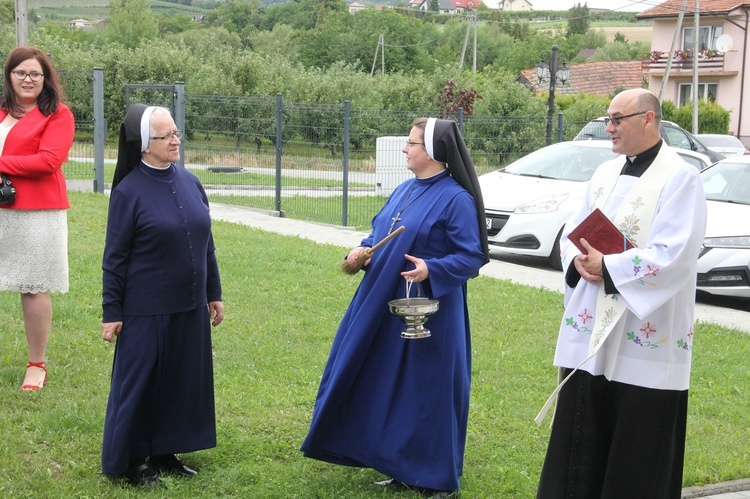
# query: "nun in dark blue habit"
161,294
400,406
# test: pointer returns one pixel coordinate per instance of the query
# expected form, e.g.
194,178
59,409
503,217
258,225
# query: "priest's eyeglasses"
21,75
176,133
409,143
617,119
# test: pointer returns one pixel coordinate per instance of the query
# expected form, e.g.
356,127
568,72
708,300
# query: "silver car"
728,145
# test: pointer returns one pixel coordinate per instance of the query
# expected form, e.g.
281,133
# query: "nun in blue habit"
161,294
400,406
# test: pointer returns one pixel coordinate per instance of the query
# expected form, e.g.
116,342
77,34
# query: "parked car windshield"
563,161
727,181
594,130
672,134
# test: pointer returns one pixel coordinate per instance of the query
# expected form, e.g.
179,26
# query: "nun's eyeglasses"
21,75
409,143
176,133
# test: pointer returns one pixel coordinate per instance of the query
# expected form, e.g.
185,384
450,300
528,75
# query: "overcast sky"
621,5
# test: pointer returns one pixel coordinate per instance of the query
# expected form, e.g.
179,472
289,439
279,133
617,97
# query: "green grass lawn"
284,297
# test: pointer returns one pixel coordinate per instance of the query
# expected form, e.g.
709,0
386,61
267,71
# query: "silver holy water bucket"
414,312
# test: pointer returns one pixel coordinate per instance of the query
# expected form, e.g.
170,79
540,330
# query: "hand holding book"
601,234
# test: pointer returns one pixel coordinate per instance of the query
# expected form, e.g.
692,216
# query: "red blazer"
33,155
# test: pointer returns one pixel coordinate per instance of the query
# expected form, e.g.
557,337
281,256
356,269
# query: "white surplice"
650,346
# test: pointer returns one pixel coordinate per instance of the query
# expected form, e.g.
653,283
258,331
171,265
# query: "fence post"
279,116
461,119
345,197
100,130
560,122
179,115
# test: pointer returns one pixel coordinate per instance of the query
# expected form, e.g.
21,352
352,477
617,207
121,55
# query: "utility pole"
676,36
466,42
471,20
381,47
474,66
22,25
696,48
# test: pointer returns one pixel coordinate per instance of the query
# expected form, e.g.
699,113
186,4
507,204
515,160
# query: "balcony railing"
682,61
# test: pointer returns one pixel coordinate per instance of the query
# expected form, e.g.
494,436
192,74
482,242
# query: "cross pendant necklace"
407,203
395,219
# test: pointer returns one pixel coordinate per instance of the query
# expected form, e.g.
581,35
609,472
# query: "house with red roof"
596,78
356,7
722,59
451,6
517,5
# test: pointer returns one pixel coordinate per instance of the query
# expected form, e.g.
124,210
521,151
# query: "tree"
617,51
7,12
131,22
235,15
579,21
452,98
293,14
175,23
206,42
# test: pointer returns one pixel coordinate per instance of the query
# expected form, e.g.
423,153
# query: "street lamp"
556,67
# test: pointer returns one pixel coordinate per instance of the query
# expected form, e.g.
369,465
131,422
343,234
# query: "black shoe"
142,474
438,494
171,465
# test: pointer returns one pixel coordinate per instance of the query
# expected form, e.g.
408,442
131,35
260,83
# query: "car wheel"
555,260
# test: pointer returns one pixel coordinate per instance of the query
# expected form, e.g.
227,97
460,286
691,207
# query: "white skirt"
34,251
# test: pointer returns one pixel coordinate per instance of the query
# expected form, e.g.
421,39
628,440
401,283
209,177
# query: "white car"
724,263
728,145
698,160
528,202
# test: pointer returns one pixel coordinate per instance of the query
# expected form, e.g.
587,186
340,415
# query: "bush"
712,118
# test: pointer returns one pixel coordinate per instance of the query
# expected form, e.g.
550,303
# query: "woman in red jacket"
36,133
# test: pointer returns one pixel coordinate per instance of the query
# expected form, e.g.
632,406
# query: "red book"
600,233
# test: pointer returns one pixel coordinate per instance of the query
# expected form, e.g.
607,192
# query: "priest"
626,336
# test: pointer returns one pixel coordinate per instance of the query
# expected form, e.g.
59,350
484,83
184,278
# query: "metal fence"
313,161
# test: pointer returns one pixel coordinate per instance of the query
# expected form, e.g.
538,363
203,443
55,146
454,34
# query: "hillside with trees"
316,51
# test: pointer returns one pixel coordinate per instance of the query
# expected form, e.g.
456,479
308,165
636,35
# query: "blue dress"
395,405
160,273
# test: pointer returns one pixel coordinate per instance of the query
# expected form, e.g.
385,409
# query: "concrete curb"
716,489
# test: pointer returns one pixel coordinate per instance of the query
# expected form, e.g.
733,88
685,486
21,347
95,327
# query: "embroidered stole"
634,219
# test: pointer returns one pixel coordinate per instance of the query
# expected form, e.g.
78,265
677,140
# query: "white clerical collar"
157,167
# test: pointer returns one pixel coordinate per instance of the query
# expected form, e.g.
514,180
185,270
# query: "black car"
672,133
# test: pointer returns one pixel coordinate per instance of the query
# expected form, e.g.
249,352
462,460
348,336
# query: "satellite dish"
724,43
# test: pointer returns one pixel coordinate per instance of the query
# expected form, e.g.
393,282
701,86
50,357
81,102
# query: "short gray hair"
649,102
